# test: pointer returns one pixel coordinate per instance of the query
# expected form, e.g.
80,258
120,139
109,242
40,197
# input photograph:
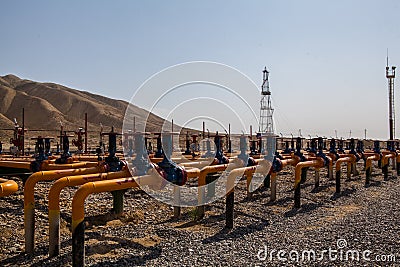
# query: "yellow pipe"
340,161
317,163
368,166
78,209
29,200
7,187
48,167
16,164
54,201
192,172
195,164
293,161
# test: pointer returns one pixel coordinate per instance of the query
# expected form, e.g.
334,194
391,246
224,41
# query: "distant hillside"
48,104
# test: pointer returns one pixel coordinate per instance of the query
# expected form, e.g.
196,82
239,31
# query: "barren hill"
48,104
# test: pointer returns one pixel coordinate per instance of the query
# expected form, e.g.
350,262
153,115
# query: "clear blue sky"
327,58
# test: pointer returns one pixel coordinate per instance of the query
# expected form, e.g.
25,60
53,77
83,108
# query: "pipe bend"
342,160
7,187
319,162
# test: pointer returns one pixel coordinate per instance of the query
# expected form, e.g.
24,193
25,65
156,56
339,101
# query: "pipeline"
317,163
368,163
238,163
29,200
78,209
349,159
54,201
277,168
7,187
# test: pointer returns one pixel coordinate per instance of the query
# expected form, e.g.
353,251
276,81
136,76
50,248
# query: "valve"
128,143
332,148
313,146
141,162
340,146
79,142
277,165
18,139
243,149
219,154
352,147
65,145
298,152
321,153
47,146
390,146
287,148
40,154
113,162
159,152
171,171
360,146
377,147
253,149
187,142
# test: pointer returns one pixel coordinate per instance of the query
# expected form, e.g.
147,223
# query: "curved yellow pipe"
318,163
7,187
54,201
78,209
29,200
293,161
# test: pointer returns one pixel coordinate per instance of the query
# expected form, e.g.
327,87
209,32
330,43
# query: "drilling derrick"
390,75
266,111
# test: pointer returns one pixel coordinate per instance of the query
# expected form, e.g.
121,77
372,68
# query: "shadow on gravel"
14,205
280,202
373,183
237,232
345,193
321,188
40,251
304,209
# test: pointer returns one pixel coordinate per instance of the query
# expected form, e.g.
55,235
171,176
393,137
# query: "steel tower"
390,75
266,111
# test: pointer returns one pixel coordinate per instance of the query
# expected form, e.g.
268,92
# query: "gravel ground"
361,220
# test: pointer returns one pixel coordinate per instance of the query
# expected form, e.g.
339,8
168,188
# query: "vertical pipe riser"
78,245
273,188
230,199
338,174
29,222
316,183
367,175
297,196
385,170
54,233
398,168
118,201
267,181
